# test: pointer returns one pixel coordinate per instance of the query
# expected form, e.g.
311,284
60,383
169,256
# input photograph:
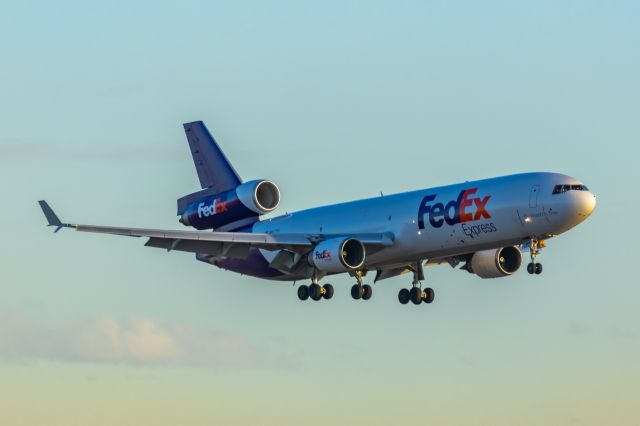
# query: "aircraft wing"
230,244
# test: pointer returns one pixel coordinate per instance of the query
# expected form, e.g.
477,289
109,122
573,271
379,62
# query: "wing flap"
213,248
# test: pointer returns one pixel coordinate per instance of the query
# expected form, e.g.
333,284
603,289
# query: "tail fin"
213,167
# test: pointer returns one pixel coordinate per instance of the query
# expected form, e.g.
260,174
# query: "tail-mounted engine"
212,211
495,263
338,255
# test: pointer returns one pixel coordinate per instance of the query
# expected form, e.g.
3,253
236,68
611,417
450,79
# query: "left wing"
230,244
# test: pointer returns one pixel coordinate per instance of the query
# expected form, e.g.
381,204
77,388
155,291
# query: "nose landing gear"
534,250
534,268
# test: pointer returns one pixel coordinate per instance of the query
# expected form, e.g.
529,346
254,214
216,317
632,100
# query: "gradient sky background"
332,101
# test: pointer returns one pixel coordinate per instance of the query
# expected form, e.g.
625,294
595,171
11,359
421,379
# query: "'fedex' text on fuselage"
455,211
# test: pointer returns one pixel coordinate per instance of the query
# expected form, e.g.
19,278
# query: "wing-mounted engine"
338,255
234,208
495,263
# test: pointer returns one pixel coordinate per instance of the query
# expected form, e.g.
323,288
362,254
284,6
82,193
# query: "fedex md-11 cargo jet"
484,225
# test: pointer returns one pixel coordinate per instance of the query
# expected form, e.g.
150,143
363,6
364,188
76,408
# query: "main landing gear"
416,295
315,291
360,291
534,249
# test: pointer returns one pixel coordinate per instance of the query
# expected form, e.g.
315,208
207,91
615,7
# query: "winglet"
51,216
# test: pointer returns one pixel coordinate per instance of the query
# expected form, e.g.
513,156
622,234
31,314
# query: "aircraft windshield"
564,188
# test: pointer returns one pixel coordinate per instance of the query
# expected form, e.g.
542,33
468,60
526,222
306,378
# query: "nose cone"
587,204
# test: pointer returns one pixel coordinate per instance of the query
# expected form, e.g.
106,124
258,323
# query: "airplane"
485,225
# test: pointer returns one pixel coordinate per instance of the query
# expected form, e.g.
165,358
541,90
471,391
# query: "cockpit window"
560,188
564,188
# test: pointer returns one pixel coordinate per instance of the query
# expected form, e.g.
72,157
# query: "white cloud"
139,340
134,341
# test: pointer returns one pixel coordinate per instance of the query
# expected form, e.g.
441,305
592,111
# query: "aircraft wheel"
314,292
538,268
303,292
416,295
531,268
357,291
429,295
404,296
367,292
328,291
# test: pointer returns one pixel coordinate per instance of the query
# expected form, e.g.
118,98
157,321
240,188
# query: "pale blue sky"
333,102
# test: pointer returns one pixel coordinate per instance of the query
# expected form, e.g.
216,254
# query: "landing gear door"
533,196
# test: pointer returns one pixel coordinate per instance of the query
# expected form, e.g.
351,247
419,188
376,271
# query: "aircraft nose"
586,204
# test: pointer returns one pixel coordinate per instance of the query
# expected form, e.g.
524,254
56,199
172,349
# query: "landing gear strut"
534,249
315,291
360,291
416,295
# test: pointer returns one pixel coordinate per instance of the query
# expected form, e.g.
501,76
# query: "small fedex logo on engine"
466,208
323,255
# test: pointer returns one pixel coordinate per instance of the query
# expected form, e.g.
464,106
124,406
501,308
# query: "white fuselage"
494,213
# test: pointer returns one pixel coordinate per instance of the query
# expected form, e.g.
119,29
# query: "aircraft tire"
303,292
531,268
357,291
538,268
328,291
314,292
416,295
367,292
404,296
429,295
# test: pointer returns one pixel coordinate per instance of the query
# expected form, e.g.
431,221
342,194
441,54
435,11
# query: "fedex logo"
455,211
217,206
323,255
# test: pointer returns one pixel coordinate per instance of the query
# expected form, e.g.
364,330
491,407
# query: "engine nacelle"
495,263
260,196
246,201
338,255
